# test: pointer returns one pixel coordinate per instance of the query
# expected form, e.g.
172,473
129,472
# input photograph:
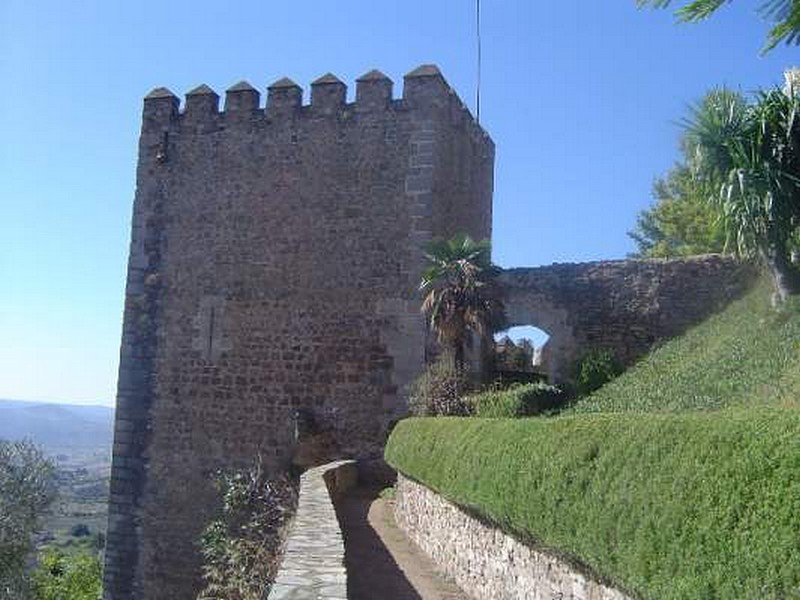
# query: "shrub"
27,488
439,391
241,549
60,577
596,368
516,401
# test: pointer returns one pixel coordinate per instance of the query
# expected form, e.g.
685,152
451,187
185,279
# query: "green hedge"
668,506
521,400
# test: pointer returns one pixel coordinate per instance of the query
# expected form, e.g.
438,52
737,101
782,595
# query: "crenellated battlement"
424,89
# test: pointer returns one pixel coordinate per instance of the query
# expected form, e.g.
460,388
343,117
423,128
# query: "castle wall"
625,306
275,257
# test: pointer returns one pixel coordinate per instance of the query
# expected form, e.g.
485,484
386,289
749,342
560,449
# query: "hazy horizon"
109,404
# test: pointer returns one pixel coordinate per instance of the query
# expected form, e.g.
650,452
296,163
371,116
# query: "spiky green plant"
784,14
754,150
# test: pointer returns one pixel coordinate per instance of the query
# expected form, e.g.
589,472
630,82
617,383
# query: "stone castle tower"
274,261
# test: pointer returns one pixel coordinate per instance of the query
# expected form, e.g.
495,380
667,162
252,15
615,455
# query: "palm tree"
785,14
754,149
460,293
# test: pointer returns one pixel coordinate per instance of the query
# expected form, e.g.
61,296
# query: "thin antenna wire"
478,35
478,89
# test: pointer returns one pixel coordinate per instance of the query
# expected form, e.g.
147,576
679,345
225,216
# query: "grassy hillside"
678,480
747,355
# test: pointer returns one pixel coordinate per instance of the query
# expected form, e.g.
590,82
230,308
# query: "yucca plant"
754,149
460,292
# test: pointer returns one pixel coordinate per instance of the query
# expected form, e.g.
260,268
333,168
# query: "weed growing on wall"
241,549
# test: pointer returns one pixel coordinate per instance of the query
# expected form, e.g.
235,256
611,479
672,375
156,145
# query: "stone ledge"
313,563
485,562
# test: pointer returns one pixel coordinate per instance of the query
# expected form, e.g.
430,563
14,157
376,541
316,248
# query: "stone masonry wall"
275,256
625,306
485,562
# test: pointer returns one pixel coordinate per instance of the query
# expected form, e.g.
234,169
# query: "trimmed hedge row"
666,506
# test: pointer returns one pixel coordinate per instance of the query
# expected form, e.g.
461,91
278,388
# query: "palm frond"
785,14
460,294
699,10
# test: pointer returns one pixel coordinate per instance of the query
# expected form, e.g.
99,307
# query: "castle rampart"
624,306
275,255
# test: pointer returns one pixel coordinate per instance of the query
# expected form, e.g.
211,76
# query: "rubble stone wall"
625,306
485,562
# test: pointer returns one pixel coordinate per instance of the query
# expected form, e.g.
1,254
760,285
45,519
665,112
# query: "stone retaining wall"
313,564
485,562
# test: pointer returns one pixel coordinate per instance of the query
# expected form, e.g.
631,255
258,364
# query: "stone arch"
538,311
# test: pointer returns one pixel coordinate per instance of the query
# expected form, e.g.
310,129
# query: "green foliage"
682,222
27,489
516,401
671,506
439,390
510,356
60,576
595,369
241,548
754,150
460,292
747,354
737,185
785,14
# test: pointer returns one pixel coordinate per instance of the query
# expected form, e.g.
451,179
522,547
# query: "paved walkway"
312,565
382,563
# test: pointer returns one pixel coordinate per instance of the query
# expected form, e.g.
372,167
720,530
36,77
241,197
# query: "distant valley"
78,438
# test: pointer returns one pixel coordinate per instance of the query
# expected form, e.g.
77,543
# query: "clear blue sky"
580,97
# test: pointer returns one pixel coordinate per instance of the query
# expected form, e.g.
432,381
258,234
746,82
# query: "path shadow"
372,573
